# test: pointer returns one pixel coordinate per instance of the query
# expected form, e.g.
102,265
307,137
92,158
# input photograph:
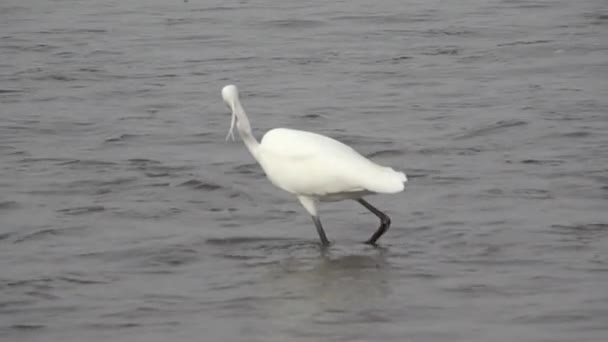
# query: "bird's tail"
401,175
387,182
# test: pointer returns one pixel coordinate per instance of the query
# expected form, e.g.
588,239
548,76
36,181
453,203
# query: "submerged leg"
385,221
320,230
309,204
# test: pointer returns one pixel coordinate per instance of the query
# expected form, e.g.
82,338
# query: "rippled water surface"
125,216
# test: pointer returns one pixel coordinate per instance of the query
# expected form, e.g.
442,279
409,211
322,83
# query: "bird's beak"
230,134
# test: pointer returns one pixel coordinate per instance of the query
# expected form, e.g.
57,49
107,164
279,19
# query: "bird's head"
230,95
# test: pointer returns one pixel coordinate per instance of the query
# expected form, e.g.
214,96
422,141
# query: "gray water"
125,216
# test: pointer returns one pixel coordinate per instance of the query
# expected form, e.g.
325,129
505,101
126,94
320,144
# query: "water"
126,217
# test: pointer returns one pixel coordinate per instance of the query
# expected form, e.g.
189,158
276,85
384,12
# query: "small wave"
311,116
387,18
589,229
157,174
421,173
173,257
400,59
154,185
492,128
148,214
442,51
18,153
82,210
244,240
36,235
37,160
144,161
81,280
549,162
295,23
104,53
10,91
155,169
179,21
451,32
107,326
42,233
597,18
251,168
88,186
87,162
7,205
101,183
526,4
556,317
42,287
55,77
462,151
27,327
214,9
530,193
525,42
200,185
385,153
576,134
4,236
438,180
198,38
73,31
31,48
123,137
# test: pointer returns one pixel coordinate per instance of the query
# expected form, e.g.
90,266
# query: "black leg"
385,221
320,230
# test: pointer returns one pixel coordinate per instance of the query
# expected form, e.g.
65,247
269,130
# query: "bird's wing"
313,161
301,144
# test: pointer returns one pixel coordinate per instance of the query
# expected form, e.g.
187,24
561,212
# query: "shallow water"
125,216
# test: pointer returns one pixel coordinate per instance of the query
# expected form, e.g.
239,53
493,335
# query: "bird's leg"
309,204
385,221
320,230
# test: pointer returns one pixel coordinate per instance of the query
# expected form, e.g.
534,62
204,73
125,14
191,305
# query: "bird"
314,167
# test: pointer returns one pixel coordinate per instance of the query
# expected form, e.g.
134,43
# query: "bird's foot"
371,243
325,244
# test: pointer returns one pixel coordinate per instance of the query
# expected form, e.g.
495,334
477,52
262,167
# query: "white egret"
314,167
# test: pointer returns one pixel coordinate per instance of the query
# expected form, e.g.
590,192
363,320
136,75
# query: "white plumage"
310,164
315,167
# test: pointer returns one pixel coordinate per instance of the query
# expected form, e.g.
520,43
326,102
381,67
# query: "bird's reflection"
341,284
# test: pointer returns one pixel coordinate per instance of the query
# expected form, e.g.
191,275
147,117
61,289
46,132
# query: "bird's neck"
244,128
